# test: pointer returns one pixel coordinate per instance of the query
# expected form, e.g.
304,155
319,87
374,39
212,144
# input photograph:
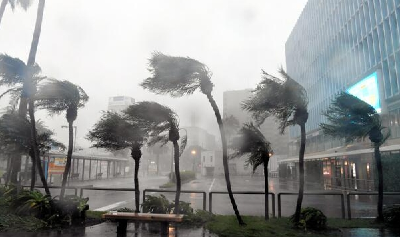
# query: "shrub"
199,218
125,209
391,214
156,204
184,208
71,209
311,218
32,203
12,222
186,176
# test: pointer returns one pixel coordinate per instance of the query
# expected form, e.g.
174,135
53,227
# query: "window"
211,158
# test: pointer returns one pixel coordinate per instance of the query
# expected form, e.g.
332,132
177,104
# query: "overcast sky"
104,47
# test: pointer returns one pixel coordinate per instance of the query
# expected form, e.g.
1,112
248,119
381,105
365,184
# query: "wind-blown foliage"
351,118
287,101
231,125
178,76
114,132
56,97
163,126
251,142
24,4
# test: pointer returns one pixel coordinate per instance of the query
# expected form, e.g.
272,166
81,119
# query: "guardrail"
311,194
174,191
363,194
244,192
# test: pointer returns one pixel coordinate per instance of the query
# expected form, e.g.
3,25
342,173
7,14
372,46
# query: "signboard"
367,90
57,165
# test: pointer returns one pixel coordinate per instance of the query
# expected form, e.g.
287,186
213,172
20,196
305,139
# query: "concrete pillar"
90,168
83,170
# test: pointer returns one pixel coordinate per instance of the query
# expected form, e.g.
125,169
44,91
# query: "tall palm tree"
24,4
351,118
180,76
163,126
231,126
287,101
252,142
56,97
114,132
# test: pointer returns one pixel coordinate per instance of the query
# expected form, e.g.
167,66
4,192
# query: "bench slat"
144,216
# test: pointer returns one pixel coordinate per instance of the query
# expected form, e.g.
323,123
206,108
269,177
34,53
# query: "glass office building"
345,45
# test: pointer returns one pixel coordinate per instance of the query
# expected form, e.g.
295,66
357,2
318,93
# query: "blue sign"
367,90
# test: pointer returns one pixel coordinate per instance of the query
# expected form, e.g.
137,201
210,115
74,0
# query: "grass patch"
227,226
11,222
94,214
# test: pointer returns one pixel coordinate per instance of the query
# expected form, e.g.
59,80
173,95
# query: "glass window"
378,12
397,2
367,18
371,50
362,22
390,5
372,12
397,59
386,79
384,8
382,41
388,37
376,47
393,77
395,34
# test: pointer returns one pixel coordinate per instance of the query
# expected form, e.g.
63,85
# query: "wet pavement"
369,232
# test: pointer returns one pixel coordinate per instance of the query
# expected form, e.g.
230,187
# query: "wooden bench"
124,217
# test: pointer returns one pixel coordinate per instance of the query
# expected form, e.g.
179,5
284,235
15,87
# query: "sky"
104,48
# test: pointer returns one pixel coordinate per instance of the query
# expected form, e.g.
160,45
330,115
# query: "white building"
119,103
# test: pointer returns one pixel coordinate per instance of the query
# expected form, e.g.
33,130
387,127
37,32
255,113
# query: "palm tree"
253,143
180,76
24,4
114,132
351,118
163,126
59,96
231,125
287,101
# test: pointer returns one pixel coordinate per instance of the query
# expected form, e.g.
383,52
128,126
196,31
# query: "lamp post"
193,152
74,148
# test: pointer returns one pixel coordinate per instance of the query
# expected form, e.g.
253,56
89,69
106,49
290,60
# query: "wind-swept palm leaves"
286,100
231,125
114,132
163,126
178,76
24,4
252,142
56,97
351,118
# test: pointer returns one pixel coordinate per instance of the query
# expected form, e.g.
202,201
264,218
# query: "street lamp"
74,149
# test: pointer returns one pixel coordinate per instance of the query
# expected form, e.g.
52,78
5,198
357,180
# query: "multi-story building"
119,103
233,101
353,46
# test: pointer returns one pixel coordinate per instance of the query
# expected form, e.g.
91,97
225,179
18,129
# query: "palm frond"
183,145
177,76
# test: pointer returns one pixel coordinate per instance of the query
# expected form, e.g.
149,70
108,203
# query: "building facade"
353,46
119,103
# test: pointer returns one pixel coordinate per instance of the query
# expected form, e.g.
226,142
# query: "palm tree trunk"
177,176
378,160
35,147
2,8
301,172
225,157
266,191
33,172
69,158
137,191
158,164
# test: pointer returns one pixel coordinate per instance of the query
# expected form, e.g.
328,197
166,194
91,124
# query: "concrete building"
348,46
119,103
233,107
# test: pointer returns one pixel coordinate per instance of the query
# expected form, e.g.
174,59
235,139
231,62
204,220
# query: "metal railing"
174,191
311,194
244,192
55,187
363,194
107,189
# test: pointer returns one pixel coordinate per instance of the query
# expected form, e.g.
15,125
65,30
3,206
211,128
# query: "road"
362,206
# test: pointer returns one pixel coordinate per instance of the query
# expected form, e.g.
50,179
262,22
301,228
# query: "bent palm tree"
56,97
287,101
24,4
113,132
231,125
351,118
253,143
162,124
180,76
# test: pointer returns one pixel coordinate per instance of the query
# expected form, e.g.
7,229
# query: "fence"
363,194
173,191
312,194
248,192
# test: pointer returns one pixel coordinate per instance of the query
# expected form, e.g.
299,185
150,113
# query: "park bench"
124,217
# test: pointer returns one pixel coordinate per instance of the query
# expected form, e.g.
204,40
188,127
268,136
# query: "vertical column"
90,168
83,169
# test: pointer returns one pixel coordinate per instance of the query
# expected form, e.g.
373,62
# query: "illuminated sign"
367,90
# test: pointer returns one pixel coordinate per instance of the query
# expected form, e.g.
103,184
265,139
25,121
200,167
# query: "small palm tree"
24,4
180,76
287,101
56,97
114,132
163,126
252,142
351,118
